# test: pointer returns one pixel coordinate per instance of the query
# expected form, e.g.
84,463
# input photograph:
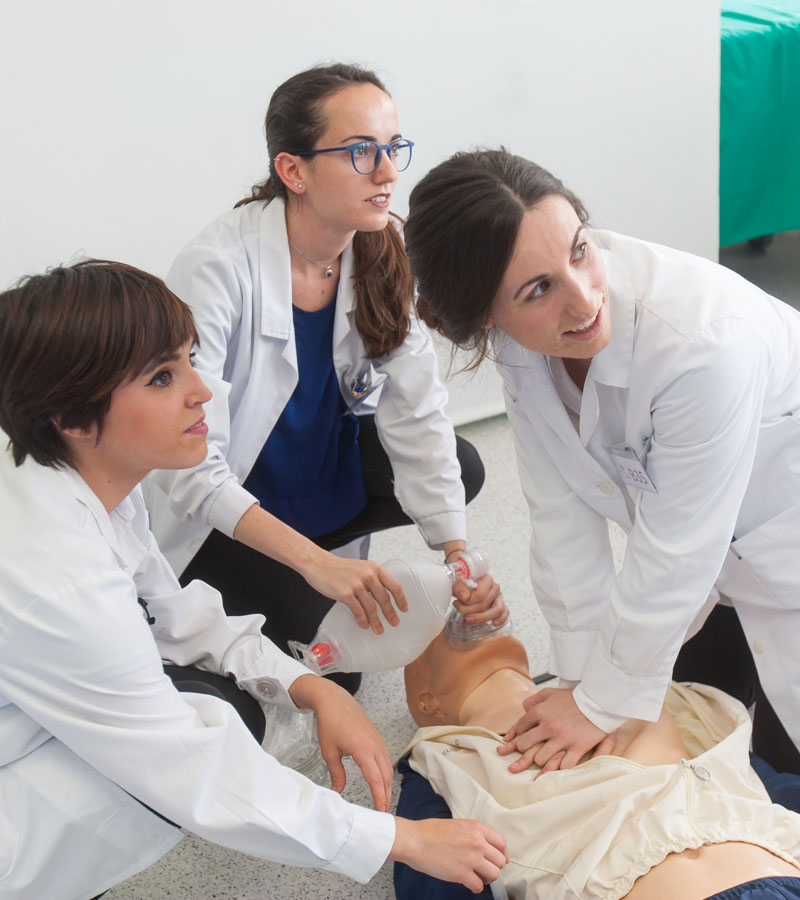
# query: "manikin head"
443,679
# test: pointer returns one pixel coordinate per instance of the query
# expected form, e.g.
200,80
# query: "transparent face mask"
291,738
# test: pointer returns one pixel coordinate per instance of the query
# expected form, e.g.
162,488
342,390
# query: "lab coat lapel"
275,272
116,527
559,420
345,301
612,366
543,393
358,380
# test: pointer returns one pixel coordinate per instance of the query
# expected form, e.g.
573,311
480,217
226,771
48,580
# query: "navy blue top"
308,473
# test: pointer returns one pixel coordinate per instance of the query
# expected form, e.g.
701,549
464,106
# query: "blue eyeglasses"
366,155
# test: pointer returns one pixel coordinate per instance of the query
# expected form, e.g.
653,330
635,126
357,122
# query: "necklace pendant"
327,266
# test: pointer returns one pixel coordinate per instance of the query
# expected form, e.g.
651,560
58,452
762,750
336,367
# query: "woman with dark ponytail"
644,386
303,300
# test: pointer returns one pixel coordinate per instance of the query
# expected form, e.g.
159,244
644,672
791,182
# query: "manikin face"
553,297
442,678
155,420
337,196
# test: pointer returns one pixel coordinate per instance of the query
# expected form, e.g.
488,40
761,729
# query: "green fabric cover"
759,171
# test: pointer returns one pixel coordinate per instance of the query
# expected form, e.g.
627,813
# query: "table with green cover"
759,177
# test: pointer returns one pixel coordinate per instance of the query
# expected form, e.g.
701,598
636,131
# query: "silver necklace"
328,267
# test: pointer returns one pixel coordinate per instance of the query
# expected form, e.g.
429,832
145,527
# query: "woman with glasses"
335,424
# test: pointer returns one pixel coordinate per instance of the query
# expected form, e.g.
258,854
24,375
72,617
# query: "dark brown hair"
463,220
68,338
383,286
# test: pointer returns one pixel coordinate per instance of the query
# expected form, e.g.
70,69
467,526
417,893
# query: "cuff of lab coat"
272,685
598,717
231,504
441,527
570,651
367,846
608,696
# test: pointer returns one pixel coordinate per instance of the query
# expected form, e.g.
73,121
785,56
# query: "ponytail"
384,289
265,190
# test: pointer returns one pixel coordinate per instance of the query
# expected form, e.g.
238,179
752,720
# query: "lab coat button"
266,688
758,647
606,488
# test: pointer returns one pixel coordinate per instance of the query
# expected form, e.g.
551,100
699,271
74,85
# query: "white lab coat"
88,717
701,378
236,277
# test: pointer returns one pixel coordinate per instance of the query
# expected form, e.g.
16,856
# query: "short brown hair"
68,338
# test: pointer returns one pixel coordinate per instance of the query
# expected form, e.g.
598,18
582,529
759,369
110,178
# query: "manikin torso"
493,699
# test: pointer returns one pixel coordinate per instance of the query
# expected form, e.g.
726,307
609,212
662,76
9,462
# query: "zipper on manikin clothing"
691,772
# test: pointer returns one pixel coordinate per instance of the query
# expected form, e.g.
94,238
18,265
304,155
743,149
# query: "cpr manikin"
675,811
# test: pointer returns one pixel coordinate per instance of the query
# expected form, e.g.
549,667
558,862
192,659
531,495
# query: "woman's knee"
473,474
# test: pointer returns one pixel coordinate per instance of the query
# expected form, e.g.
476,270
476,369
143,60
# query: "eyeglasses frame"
351,148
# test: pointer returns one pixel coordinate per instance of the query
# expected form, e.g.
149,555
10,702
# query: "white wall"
128,124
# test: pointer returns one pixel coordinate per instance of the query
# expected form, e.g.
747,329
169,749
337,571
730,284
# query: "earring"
298,184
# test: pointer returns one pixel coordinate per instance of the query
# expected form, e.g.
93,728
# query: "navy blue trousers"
418,800
763,889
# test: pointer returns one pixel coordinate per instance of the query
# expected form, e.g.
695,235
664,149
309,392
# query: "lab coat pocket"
764,565
9,844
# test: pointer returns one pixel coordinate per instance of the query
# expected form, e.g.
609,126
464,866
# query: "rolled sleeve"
608,696
229,504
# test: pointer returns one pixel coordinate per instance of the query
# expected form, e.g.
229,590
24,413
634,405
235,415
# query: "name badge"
630,468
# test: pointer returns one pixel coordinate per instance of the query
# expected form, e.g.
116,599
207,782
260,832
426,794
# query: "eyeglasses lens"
368,157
